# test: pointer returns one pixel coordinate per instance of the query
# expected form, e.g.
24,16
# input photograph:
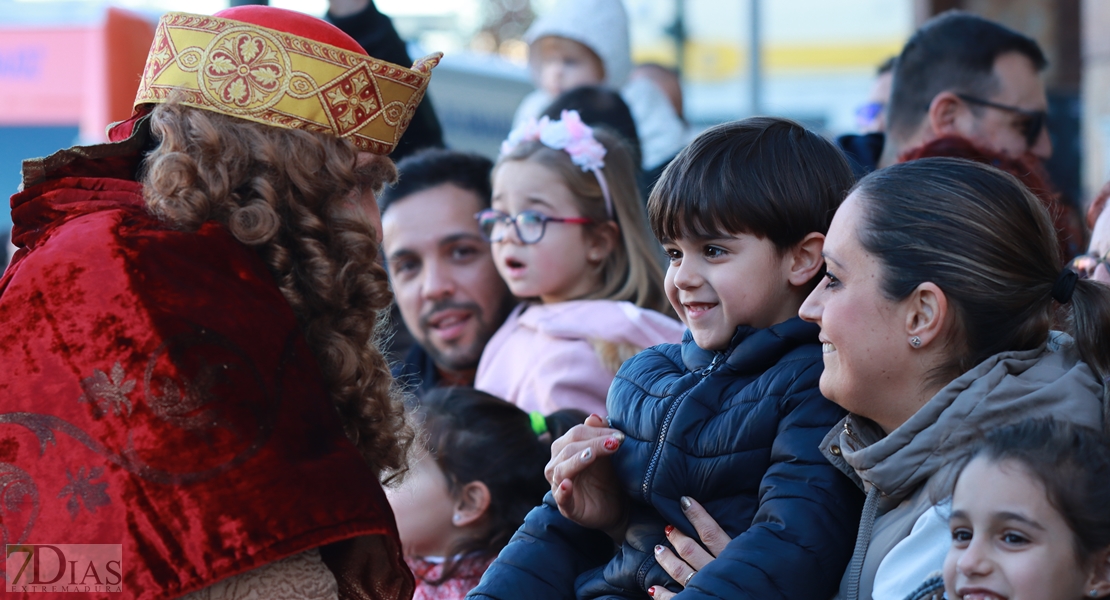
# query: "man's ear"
602,241
927,313
804,260
1099,579
944,111
472,504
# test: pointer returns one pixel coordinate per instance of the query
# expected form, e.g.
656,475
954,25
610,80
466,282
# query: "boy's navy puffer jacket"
736,430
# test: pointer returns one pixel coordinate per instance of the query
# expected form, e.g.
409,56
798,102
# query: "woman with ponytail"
944,282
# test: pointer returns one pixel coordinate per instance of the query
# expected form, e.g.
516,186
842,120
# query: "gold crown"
276,78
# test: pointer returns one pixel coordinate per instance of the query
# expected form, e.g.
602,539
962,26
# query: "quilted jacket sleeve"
803,533
543,559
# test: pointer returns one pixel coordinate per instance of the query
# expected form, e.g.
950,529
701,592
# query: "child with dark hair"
1029,516
463,499
731,417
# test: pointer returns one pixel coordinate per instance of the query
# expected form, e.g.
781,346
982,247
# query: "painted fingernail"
612,444
651,591
684,502
587,454
667,530
619,435
658,549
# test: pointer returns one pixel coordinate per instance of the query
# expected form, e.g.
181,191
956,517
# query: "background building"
63,73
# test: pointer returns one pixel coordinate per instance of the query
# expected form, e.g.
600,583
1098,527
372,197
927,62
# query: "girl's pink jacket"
549,357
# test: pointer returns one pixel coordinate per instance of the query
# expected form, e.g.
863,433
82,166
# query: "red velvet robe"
156,392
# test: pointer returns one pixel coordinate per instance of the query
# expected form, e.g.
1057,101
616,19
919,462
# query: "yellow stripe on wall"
719,61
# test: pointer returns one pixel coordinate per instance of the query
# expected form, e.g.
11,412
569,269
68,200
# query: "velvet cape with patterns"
157,393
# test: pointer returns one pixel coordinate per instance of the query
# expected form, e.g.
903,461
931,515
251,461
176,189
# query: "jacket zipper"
654,462
852,435
666,425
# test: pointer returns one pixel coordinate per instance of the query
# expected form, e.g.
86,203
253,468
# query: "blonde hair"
633,271
289,194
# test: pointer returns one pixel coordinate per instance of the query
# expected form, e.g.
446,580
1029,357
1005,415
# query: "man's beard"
466,359
456,359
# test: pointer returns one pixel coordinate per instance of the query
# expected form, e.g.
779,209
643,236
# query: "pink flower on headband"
568,134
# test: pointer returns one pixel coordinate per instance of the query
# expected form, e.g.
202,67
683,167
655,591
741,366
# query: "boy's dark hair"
475,436
434,167
765,176
1073,464
599,106
954,51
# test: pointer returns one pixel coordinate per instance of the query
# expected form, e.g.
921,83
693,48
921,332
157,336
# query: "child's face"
1007,540
424,507
720,283
563,64
562,265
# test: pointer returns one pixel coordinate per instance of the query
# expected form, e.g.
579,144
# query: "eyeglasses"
529,225
1085,264
1035,120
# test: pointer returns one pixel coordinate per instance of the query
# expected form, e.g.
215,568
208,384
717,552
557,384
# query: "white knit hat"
600,25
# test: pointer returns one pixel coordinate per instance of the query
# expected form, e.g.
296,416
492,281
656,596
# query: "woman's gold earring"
915,342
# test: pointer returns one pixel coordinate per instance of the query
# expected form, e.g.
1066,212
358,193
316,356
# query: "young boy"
731,417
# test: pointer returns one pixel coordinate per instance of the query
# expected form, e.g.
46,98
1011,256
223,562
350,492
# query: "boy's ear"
804,260
1099,579
604,239
472,504
927,313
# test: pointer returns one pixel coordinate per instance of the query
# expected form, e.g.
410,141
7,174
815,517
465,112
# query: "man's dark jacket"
736,430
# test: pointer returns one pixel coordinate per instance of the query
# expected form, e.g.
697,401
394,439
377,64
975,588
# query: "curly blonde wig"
292,195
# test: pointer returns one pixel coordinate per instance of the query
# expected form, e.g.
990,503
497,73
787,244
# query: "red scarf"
157,393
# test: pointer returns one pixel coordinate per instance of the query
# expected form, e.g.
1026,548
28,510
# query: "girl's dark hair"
1073,464
765,176
989,244
474,436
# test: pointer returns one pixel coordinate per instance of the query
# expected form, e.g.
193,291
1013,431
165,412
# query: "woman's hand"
692,557
582,478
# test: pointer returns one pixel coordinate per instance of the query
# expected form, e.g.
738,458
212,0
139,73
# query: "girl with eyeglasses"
570,236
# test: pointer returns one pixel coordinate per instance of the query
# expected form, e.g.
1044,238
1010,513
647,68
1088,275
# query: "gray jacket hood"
1006,388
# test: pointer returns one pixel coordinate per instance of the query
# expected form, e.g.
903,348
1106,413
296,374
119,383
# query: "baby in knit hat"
586,42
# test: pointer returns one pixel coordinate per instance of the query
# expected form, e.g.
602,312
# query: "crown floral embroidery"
244,68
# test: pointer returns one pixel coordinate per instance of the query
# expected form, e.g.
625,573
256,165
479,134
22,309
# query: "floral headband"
570,135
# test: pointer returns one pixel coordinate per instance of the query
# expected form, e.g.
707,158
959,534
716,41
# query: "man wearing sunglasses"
962,75
970,88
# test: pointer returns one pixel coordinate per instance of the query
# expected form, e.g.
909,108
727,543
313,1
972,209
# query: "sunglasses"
1031,126
1085,264
529,225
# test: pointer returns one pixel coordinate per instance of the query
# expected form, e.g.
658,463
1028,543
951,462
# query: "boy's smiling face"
716,284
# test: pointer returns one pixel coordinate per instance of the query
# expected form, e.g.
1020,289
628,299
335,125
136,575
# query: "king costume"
157,390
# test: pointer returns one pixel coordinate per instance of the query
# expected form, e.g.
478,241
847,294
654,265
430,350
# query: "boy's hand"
582,478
